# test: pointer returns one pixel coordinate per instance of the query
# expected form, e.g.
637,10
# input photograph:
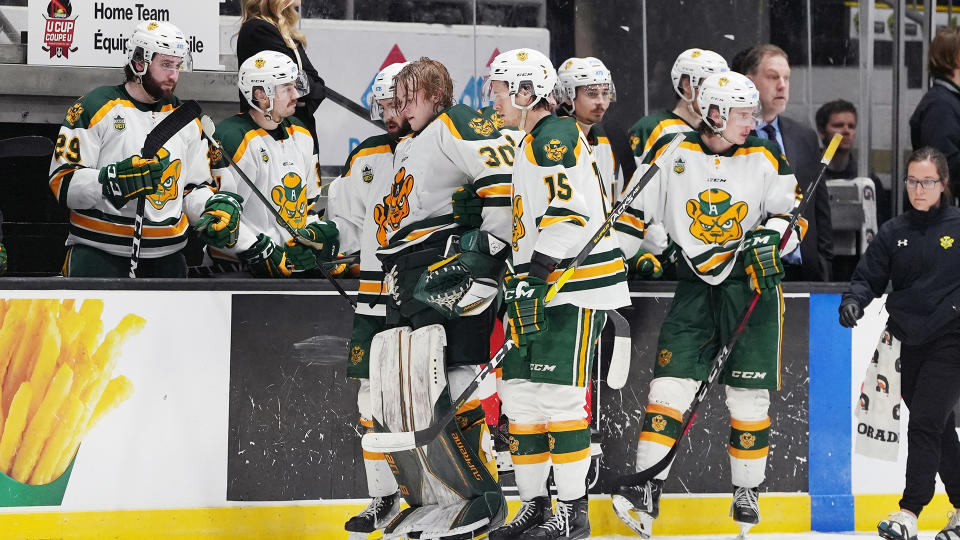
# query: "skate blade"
625,510
744,529
890,535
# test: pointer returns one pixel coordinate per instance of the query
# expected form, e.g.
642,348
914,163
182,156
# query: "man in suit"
768,67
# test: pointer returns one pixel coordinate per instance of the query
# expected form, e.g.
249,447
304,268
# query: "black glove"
850,313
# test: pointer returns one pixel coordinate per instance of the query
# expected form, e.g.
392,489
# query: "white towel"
878,410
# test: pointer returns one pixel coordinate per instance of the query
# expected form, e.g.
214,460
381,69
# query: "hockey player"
368,173
275,151
442,283
98,173
557,200
725,201
586,91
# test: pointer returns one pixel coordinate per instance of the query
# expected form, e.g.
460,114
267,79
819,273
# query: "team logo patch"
291,199
168,189
119,123
634,142
514,445
664,357
551,441
497,120
482,126
747,440
264,156
696,54
395,207
356,355
658,423
73,114
555,150
946,242
679,165
716,219
259,62
518,230
153,25
522,56
723,81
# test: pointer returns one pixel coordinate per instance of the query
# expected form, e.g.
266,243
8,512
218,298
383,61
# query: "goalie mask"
269,71
384,87
723,92
586,72
522,69
697,65
156,37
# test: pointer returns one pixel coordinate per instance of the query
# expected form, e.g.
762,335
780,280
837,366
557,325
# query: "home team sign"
94,32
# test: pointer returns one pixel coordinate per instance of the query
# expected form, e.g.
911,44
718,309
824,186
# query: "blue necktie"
772,134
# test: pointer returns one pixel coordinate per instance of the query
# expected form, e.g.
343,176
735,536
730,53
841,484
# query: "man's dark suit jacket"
803,152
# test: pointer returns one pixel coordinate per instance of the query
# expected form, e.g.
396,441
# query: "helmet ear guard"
157,37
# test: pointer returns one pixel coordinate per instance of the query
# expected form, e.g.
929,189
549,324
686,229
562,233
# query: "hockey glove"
219,225
3,259
266,259
644,265
465,283
761,259
850,313
322,237
467,207
133,177
525,307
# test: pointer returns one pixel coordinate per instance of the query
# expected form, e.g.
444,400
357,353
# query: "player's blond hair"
431,76
279,13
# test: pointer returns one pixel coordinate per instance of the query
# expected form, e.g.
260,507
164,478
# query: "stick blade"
388,442
622,349
27,146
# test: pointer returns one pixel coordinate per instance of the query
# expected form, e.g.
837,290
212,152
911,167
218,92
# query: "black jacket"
259,35
936,122
919,252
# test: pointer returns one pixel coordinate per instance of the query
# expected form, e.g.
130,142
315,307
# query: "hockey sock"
530,452
569,443
473,423
661,427
749,446
380,480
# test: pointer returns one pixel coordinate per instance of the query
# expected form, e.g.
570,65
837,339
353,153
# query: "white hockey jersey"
606,162
106,126
707,202
459,146
558,201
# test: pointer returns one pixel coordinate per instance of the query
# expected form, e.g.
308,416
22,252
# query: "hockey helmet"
157,37
522,68
697,64
268,70
384,87
726,91
576,72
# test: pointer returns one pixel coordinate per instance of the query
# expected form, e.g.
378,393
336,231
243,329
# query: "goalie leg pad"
749,435
380,481
669,398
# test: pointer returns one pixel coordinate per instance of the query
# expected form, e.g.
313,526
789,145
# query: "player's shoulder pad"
234,132
691,141
377,144
555,141
80,115
297,126
468,124
769,148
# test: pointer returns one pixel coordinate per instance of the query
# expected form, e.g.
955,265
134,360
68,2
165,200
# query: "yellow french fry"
3,310
70,414
45,364
117,391
22,358
38,431
92,309
13,427
10,336
2,417
68,304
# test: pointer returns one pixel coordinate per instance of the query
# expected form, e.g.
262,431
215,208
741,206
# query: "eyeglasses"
170,66
927,183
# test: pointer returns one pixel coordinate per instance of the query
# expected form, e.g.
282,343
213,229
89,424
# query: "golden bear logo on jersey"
356,355
395,207
634,142
664,357
215,155
551,442
679,165
946,242
658,423
518,230
73,114
264,156
723,81
715,219
497,120
152,26
555,150
482,126
291,199
747,440
522,56
259,63
167,190
119,123
514,444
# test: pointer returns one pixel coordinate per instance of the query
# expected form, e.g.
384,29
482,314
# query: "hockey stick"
408,440
207,125
27,146
723,355
187,112
622,349
351,106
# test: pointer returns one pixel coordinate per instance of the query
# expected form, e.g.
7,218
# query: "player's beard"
397,127
153,88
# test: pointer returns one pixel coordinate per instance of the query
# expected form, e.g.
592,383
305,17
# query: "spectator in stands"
271,25
768,67
936,120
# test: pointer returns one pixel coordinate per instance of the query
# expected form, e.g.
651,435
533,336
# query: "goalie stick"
187,112
27,146
408,440
723,355
622,349
351,106
206,124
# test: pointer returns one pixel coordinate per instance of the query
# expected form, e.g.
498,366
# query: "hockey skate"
900,525
376,515
952,530
745,509
638,506
532,513
569,522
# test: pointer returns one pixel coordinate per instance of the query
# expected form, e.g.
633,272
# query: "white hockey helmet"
726,91
267,70
384,87
697,64
522,68
576,72
157,37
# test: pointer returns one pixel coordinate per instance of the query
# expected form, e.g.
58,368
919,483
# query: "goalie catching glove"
219,224
761,259
269,260
466,282
133,177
